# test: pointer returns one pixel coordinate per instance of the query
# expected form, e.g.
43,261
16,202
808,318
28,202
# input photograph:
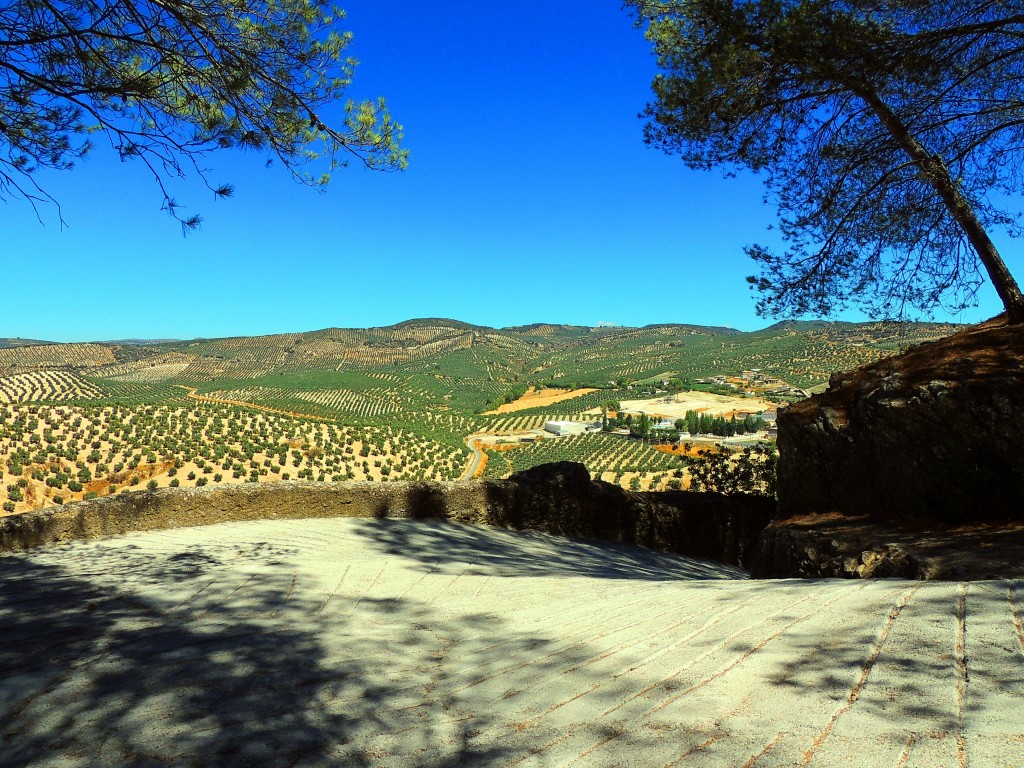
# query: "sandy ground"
412,643
676,406
536,398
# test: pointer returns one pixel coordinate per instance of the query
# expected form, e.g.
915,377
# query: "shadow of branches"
450,547
223,655
187,663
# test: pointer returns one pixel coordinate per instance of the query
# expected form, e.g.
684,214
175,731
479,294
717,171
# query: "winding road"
476,460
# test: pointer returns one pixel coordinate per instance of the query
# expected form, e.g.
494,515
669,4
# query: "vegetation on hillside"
379,404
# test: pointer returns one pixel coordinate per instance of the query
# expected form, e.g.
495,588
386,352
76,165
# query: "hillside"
802,353
379,403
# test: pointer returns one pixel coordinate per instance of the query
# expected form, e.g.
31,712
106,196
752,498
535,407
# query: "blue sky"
529,197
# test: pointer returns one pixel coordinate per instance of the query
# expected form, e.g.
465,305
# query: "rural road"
417,643
474,462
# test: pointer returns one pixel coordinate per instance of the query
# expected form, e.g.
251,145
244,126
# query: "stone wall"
554,498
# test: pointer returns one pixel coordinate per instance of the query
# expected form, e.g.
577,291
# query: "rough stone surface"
834,546
397,643
936,434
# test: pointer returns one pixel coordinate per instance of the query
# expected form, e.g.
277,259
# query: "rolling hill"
369,403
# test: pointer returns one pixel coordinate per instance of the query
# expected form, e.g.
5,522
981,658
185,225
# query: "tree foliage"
167,82
889,133
751,471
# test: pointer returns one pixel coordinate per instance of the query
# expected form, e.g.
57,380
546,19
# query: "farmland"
52,386
614,458
374,404
58,454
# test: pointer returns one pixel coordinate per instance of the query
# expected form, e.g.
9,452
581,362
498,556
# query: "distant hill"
437,322
12,343
804,353
712,329
137,342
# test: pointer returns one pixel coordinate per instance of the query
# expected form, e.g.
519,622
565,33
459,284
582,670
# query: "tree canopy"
166,82
889,133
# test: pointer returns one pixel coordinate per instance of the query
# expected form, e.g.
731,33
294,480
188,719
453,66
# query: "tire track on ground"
865,672
692,662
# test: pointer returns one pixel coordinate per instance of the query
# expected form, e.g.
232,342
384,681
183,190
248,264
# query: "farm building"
564,427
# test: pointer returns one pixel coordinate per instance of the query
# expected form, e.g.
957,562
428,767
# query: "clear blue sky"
530,197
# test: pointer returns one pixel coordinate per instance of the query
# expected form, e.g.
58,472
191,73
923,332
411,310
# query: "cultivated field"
676,406
50,386
53,455
377,403
54,356
539,398
613,458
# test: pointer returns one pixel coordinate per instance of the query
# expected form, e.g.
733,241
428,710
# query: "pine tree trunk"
959,208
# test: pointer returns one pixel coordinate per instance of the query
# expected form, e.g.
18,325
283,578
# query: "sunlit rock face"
936,433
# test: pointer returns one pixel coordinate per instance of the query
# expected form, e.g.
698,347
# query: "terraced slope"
432,381
21,359
404,643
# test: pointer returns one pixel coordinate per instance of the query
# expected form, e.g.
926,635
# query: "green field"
599,452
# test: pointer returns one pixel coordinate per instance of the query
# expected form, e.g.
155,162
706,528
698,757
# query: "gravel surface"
355,642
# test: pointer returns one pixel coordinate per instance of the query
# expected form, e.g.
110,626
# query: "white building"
564,427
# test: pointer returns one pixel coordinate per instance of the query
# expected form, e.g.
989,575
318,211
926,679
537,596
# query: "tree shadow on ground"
451,547
108,670
918,662
112,654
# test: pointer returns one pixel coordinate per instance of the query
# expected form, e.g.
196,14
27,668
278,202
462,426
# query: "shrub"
152,485
753,471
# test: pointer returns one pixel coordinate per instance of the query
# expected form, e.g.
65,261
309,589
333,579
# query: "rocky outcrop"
936,434
832,546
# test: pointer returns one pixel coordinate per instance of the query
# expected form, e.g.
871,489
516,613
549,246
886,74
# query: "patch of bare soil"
535,398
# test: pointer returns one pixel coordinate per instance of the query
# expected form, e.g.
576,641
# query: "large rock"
936,433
